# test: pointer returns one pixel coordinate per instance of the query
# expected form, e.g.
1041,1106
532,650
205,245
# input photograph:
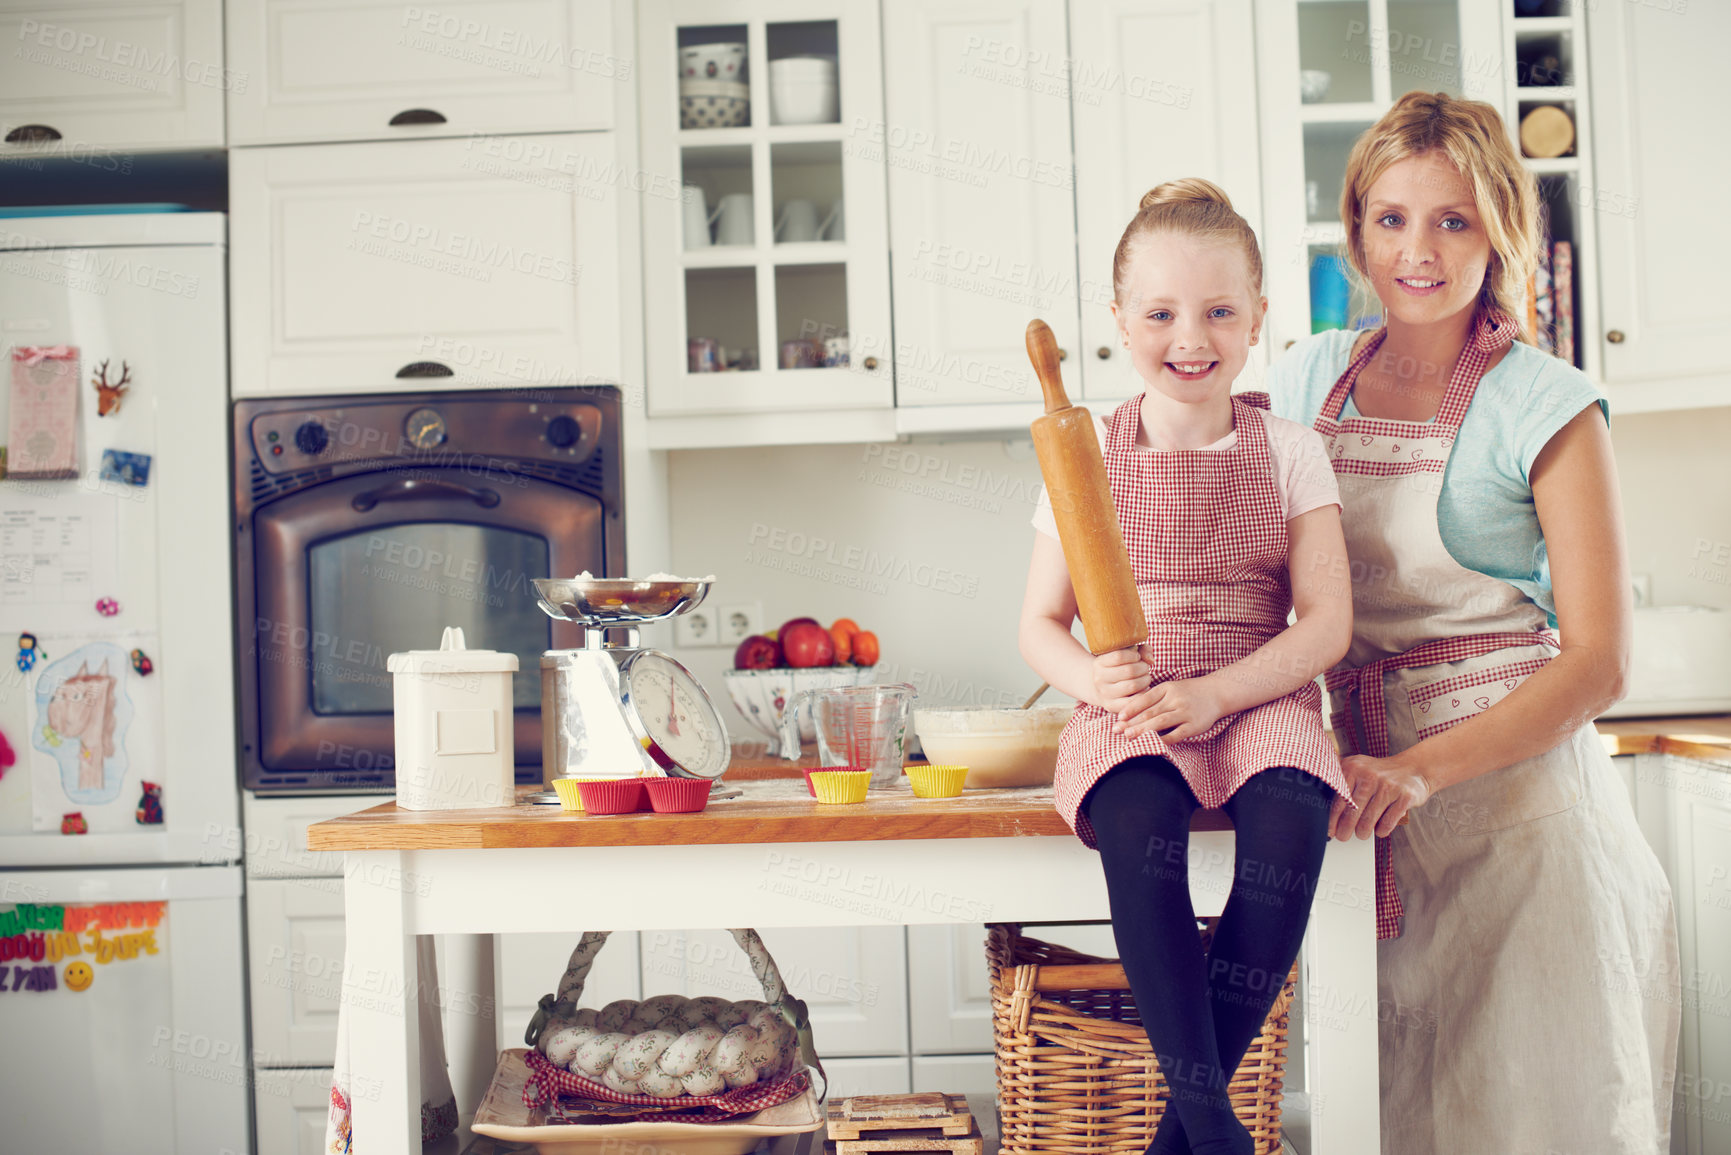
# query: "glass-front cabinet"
765,248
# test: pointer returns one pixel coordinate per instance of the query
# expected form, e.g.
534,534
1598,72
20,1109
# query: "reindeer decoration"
108,396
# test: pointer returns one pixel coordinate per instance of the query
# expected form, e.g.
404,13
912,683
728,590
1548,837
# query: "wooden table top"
776,808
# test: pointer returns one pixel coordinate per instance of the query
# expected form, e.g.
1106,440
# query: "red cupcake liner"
620,796
678,795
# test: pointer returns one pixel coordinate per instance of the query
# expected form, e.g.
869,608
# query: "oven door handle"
412,489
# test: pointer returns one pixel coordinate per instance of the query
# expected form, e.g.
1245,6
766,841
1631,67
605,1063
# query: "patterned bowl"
761,696
714,105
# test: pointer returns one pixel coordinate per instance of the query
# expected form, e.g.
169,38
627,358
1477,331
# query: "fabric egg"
596,1053
690,1050
731,1052
561,1046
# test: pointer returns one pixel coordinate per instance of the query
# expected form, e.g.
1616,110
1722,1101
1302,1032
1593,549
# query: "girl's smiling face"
1188,313
1425,246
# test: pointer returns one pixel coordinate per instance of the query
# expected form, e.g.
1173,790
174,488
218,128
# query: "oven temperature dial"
563,432
312,438
425,429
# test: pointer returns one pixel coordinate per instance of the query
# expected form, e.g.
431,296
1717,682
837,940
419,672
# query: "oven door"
348,572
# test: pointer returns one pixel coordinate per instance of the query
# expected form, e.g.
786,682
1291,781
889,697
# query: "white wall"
1677,501
925,544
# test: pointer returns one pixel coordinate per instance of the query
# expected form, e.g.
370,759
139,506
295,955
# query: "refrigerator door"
133,1038
119,591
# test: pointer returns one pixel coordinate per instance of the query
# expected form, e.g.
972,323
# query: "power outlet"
738,622
695,628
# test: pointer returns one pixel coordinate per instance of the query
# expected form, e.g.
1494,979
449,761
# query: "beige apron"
1530,1004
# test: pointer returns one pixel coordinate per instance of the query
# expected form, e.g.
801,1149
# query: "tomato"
807,644
865,648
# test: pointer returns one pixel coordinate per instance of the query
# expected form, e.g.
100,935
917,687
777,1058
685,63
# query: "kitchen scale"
616,709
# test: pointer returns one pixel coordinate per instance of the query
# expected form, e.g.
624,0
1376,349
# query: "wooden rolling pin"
1081,497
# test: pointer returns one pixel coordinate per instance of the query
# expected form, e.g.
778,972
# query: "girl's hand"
1120,681
1178,710
1384,789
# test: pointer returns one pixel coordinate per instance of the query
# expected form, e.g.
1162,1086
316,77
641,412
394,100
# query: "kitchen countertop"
1703,736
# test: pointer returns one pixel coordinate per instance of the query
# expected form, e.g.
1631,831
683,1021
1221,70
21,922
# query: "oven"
366,524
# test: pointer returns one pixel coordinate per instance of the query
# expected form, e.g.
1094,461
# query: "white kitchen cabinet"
737,302
853,980
949,995
982,210
885,1076
488,261
1664,302
294,930
957,1075
320,70
289,1110
531,965
89,80
1160,89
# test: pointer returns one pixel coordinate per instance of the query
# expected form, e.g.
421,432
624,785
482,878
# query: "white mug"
833,227
734,213
696,215
798,223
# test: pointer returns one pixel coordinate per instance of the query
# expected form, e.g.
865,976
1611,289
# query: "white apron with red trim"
1529,1005
1206,535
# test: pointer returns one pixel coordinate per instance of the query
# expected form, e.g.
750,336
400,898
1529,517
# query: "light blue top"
1485,513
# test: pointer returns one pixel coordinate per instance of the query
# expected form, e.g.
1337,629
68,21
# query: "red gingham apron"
1414,605
1527,990
1206,534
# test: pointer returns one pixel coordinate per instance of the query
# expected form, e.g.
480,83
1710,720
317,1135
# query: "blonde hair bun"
1188,190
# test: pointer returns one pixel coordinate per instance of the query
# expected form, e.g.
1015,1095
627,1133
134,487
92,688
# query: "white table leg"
1340,1012
379,984
474,1036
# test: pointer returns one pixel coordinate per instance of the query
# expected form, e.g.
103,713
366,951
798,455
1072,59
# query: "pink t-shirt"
1303,477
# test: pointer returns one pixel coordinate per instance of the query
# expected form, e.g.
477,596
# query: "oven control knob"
311,438
563,432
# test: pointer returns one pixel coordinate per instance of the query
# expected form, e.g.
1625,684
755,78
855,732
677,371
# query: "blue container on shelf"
1330,294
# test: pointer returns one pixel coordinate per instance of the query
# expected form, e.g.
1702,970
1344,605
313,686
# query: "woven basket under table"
1075,1072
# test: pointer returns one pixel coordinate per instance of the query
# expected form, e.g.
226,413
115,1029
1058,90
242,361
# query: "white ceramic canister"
453,708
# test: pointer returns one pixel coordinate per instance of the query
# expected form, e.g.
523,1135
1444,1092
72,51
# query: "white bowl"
802,66
706,111
802,101
999,746
762,695
712,61
1313,85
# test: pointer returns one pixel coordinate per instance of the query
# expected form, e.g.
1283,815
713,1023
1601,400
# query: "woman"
1528,974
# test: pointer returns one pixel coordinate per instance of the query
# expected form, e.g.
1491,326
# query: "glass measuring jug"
862,727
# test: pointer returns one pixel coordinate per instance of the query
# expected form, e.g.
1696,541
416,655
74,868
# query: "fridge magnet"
150,805
8,756
73,823
127,468
108,397
141,663
28,651
79,976
43,421
107,607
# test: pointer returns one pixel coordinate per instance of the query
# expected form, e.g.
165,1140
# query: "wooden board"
944,1115
930,1139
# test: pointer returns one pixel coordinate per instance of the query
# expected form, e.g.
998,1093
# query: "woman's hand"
1383,789
1120,683
1178,710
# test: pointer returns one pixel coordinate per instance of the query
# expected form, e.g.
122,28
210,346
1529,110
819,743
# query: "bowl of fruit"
769,669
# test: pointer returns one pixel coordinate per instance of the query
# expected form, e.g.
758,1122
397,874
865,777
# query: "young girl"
1231,519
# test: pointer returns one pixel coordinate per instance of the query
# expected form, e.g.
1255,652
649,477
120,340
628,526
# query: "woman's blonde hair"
1190,207
1471,135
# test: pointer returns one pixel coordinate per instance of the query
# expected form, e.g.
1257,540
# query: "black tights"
1202,1011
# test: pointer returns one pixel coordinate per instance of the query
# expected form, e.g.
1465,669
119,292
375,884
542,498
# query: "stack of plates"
712,88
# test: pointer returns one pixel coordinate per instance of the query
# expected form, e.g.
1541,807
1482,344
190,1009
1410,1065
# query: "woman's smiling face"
1189,314
1425,246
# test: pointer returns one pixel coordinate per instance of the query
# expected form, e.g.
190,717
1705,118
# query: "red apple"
781,634
807,644
757,653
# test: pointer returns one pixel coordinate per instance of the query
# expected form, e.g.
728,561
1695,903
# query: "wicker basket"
1075,1072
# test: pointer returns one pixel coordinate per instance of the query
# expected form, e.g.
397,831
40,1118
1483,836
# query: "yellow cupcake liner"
566,788
937,781
837,787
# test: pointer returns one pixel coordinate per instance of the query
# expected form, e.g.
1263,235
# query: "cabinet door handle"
32,134
1615,336
871,362
424,369
1104,352
418,116
1063,353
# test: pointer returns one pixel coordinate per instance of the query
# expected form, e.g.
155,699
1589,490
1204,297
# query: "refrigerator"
122,974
